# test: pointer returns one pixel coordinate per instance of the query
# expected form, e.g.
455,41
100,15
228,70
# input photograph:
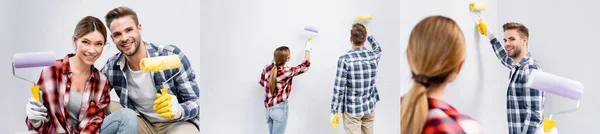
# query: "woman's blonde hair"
436,48
280,56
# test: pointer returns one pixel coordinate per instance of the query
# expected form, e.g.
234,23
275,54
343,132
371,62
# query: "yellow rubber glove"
335,119
166,105
482,27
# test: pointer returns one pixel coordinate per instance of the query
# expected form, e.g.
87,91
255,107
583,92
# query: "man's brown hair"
120,12
358,34
523,31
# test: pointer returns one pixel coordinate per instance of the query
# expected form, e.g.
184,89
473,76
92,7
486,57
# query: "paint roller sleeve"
555,84
311,29
364,17
160,63
34,59
476,6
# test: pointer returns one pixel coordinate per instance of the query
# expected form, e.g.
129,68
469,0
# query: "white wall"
480,89
49,25
563,40
239,36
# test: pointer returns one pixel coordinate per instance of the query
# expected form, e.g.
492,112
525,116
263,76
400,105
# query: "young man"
354,89
524,105
177,112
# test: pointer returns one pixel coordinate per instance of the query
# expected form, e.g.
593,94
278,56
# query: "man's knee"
183,127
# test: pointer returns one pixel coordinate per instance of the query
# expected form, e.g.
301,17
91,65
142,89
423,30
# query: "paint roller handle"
307,49
35,92
308,46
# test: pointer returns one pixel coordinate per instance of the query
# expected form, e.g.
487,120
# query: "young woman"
276,78
75,93
435,53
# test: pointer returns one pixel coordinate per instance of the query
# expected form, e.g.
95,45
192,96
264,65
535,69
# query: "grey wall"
563,40
49,25
238,39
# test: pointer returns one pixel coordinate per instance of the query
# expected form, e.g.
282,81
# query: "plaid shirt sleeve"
534,101
187,87
301,68
375,45
297,70
501,53
95,113
339,88
263,80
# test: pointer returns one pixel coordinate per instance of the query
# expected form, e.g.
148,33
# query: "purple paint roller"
312,32
555,84
311,29
33,59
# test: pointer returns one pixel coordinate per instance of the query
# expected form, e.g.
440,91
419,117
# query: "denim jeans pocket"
278,114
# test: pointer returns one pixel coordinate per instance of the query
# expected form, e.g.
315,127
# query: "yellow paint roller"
160,63
364,17
476,6
367,17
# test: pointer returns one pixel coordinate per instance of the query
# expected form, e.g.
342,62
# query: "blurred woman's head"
435,54
89,39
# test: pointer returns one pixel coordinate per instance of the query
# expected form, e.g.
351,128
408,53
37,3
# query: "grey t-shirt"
74,106
143,93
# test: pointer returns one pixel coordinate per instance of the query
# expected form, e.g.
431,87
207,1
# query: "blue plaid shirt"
524,105
355,89
183,85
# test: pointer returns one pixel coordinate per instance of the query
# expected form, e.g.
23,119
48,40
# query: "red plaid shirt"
56,86
444,119
284,81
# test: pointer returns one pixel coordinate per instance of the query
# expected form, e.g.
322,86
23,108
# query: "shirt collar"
358,49
526,59
435,103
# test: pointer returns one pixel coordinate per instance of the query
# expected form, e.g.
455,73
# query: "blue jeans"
122,121
277,116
